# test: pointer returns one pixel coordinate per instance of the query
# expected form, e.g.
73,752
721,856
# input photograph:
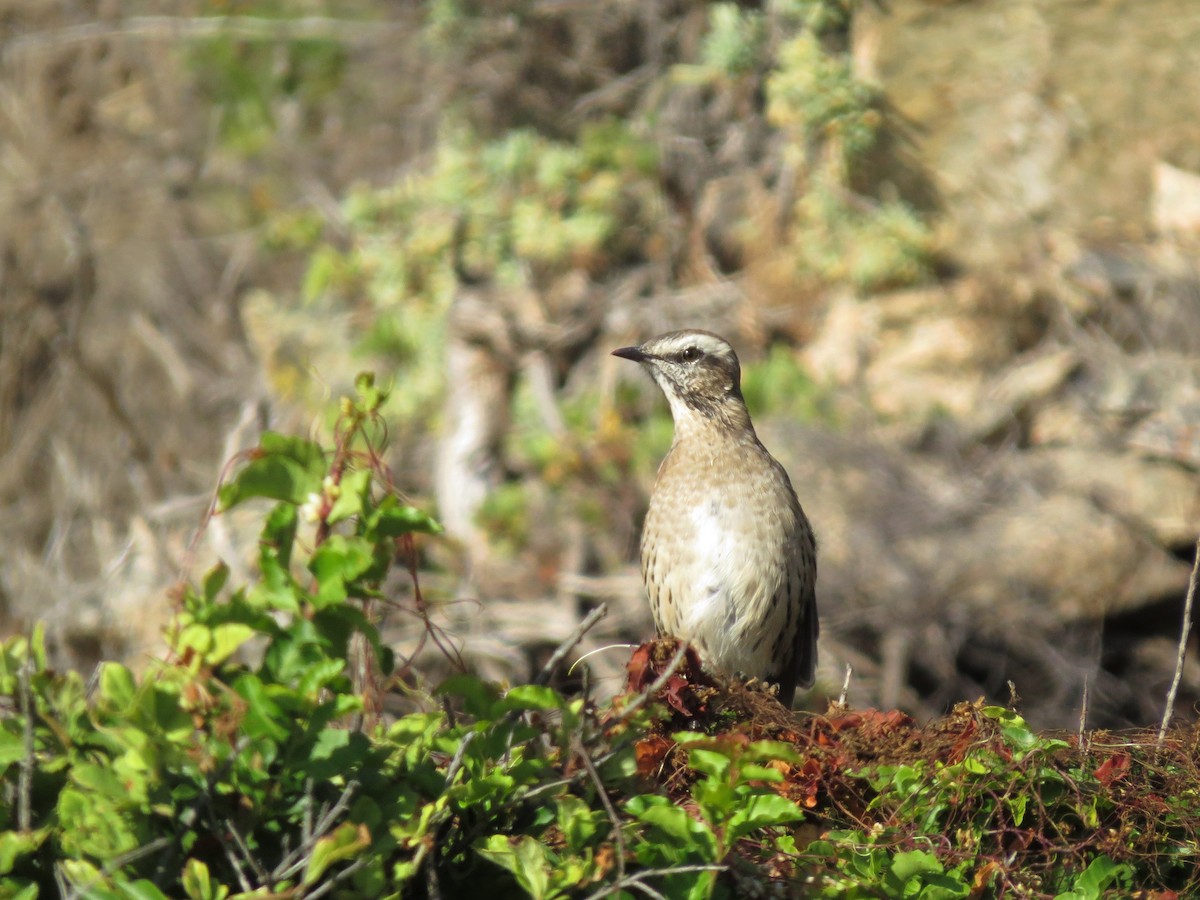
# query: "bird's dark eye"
689,354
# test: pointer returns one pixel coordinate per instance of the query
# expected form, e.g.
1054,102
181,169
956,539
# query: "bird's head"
699,373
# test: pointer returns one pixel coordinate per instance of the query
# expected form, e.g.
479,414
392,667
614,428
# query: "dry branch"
1184,631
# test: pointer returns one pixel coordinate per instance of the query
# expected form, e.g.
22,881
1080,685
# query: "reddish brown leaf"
678,695
1113,769
650,754
640,673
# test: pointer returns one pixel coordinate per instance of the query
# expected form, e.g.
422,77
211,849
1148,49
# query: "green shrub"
254,758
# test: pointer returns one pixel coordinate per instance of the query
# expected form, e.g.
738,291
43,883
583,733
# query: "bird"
728,557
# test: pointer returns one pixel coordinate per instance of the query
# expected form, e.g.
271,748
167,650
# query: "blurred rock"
1026,112
1176,208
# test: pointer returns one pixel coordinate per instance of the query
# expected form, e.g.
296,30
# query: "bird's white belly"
726,603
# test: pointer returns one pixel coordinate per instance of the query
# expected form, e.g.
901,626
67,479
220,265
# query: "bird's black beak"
634,353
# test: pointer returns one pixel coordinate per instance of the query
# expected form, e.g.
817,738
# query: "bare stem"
569,644
25,788
845,686
618,836
1184,630
637,879
1083,711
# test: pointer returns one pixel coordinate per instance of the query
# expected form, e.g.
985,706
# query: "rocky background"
954,242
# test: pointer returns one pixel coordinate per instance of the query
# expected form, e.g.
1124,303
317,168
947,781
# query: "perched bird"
728,557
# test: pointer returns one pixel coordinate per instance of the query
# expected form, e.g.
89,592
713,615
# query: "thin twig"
340,876
295,860
662,679
244,848
635,880
570,643
448,712
113,865
1184,630
459,755
550,786
845,686
306,826
555,658
1083,711
25,785
433,887
618,836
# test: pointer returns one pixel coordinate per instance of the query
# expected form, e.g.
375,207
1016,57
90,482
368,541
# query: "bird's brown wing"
809,626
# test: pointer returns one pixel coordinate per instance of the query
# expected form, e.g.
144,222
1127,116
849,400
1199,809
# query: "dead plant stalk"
1184,631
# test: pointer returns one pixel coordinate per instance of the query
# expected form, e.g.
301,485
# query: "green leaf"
532,696
333,752
276,590
346,842
214,581
692,839
198,885
576,820
93,827
226,640
524,856
100,779
1016,730
16,844
19,889
263,715
1095,880
352,495
370,395
81,875
917,873
319,674
761,810
279,533
713,763
1016,807
753,772
141,889
37,645
12,743
477,695
336,564
391,519
913,863
160,705
117,686
280,468
771,751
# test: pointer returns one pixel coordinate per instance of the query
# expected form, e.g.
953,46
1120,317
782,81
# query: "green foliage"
841,237
1013,813
833,121
1101,877
735,40
866,869
160,774
246,81
505,516
813,94
250,762
517,210
780,386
